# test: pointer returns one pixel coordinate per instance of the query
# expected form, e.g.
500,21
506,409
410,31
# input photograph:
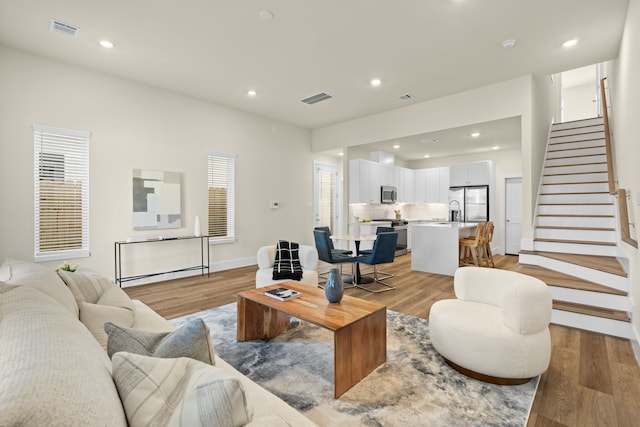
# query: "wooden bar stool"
471,247
486,244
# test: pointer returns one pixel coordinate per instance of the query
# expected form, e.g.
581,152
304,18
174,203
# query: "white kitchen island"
434,246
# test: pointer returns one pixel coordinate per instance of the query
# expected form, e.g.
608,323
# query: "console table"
204,242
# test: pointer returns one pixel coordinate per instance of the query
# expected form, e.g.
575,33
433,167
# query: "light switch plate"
274,205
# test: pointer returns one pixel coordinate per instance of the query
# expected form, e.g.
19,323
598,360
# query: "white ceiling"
217,50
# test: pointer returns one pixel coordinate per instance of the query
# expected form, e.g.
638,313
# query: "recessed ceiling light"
396,146
375,82
495,147
341,154
266,15
106,44
251,93
426,156
475,134
509,43
570,43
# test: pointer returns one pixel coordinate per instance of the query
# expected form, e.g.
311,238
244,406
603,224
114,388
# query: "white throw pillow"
178,392
94,316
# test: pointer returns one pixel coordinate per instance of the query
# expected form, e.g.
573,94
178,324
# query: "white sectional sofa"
54,372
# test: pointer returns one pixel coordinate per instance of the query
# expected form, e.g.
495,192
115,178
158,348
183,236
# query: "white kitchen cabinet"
405,181
421,186
366,178
474,173
432,185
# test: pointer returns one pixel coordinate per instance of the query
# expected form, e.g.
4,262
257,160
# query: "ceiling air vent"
314,99
404,97
64,29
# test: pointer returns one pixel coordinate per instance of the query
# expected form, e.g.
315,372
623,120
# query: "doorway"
325,195
513,215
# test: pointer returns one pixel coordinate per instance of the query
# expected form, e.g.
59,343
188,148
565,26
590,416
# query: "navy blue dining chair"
323,245
383,252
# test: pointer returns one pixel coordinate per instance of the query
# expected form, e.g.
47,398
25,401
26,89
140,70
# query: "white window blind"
61,193
221,175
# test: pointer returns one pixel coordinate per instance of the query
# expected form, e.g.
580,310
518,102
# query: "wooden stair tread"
578,215
575,204
575,157
607,264
556,278
592,311
558,227
576,164
576,242
572,173
574,183
572,142
574,192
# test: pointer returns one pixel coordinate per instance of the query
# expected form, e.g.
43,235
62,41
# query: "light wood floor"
593,379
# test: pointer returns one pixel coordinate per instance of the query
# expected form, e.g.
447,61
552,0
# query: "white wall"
578,102
137,126
624,82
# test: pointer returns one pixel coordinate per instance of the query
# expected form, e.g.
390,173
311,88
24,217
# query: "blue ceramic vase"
334,288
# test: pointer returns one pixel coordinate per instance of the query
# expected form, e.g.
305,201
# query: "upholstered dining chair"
383,252
381,274
333,249
323,245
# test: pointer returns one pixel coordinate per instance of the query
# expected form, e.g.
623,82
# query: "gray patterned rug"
414,387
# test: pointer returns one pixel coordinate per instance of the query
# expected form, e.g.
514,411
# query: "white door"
325,195
513,215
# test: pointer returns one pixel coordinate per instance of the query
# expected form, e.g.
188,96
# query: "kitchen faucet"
457,210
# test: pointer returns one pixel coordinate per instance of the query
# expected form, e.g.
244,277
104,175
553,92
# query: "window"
221,197
61,193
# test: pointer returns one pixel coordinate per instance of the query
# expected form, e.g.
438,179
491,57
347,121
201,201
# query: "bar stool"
486,244
471,247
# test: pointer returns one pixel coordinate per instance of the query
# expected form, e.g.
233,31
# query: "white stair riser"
575,198
578,144
603,278
575,153
575,138
601,325
579,235
598,167
576,178
576,161
594,299
579,248
561,221
577,210
578,123
575,188
576,131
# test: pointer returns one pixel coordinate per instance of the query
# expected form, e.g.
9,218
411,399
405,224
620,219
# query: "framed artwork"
156,199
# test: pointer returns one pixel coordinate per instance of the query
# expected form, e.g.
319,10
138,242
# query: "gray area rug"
414,387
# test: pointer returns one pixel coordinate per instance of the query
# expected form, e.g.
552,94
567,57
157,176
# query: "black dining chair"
323,245
383,252
333,249
379,230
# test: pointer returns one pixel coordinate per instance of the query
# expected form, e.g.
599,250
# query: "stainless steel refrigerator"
474,203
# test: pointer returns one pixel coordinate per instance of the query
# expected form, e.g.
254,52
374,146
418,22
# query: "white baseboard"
214,267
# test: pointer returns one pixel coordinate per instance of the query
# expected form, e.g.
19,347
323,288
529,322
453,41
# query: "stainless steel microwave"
388,194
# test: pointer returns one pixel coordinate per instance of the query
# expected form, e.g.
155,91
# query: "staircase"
575,246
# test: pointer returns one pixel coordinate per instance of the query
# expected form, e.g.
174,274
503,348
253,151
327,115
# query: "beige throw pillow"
86,287
178,392
191,340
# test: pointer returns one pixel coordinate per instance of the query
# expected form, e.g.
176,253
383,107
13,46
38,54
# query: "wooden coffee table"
359,327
